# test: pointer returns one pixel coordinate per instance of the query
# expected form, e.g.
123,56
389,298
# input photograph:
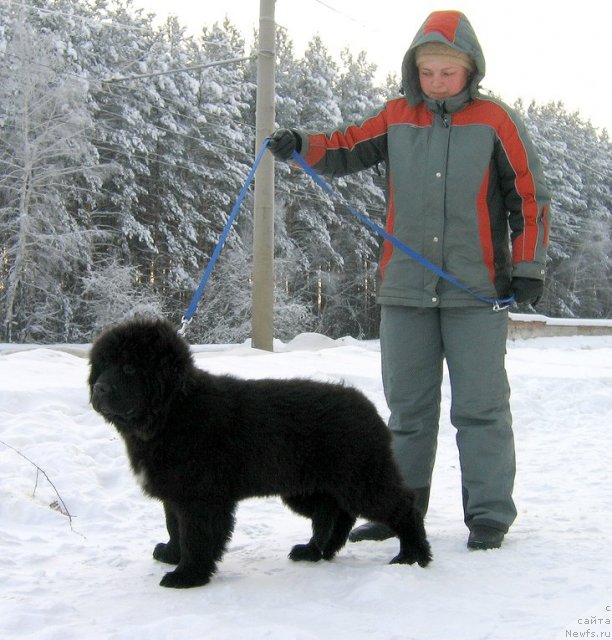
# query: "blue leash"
498,303
188,317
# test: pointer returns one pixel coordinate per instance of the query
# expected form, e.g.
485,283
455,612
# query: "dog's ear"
97,363
184,367
176,359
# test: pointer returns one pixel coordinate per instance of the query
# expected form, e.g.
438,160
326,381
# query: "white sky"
535,49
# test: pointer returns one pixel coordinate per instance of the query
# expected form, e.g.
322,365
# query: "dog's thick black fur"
202,442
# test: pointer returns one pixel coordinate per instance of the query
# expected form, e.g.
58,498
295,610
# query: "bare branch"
59,504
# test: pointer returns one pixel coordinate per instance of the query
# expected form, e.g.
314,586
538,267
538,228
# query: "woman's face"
440,80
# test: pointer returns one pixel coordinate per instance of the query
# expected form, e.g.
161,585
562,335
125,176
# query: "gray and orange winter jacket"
464,185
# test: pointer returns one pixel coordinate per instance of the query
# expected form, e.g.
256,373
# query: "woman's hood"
451,28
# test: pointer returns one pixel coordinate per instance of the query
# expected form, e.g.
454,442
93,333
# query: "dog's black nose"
101,389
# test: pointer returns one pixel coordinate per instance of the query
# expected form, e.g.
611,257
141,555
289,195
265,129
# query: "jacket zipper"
443,114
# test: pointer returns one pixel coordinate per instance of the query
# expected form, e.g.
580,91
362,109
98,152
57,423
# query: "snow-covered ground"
94,577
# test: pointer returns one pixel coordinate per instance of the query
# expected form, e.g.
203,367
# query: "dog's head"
136,369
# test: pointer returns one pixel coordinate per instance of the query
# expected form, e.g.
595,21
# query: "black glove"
283,142
527,290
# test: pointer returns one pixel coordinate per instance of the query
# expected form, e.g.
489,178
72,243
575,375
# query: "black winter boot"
483,537
371,531
378,531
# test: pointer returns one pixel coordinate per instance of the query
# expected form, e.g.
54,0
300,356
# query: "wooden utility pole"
263,234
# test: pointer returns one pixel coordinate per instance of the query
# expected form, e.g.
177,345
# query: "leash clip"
499,307
184,324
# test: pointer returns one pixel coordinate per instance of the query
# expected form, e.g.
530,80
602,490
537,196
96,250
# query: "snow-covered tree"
111,294
45,153
309,213
224,155
576,162
350,292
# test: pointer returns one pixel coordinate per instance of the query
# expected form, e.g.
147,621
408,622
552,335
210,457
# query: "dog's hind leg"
413,540
310,507
342,526
404,518
330,526
407,521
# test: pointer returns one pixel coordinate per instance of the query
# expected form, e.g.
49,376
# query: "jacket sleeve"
347,150
526,198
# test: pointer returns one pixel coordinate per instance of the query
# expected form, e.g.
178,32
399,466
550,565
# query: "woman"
465,189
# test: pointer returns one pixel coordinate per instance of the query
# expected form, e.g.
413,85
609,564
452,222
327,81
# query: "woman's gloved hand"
283,142
527,290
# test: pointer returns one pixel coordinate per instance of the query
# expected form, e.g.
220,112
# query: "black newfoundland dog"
200,443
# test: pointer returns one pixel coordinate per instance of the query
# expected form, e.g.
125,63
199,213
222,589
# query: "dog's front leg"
204,530
169,552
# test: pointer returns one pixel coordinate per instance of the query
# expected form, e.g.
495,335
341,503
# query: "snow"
560,322
94,578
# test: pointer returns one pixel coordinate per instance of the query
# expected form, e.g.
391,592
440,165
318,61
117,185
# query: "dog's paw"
166,553
421,556
403,558
180,580
305,553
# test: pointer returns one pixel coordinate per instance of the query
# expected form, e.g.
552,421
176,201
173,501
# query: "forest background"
114,188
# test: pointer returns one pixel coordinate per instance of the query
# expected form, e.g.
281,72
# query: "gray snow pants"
414,343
